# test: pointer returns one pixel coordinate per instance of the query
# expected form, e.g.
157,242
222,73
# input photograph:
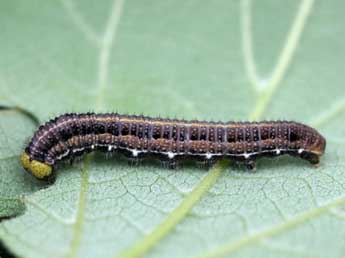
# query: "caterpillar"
71,135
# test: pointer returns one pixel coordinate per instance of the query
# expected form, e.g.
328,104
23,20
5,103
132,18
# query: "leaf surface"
15,128
221,60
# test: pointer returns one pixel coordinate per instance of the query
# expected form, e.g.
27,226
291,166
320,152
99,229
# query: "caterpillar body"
71,135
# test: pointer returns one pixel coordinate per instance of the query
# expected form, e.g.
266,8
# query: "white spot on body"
246,155
171,155
110,148
277,151
300,151
92,147
208,155
135,153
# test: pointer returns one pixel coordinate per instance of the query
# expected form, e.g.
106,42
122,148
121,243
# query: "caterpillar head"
38,169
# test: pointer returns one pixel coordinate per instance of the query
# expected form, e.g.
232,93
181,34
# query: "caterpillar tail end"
38,169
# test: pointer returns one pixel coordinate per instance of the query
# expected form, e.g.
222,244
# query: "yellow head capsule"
37,168
25,160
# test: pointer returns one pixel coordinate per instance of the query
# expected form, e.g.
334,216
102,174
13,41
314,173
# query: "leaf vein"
284,59
105,51
77,227
177,215
274,230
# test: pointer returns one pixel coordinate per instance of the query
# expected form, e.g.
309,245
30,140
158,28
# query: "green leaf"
219,60
14,184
